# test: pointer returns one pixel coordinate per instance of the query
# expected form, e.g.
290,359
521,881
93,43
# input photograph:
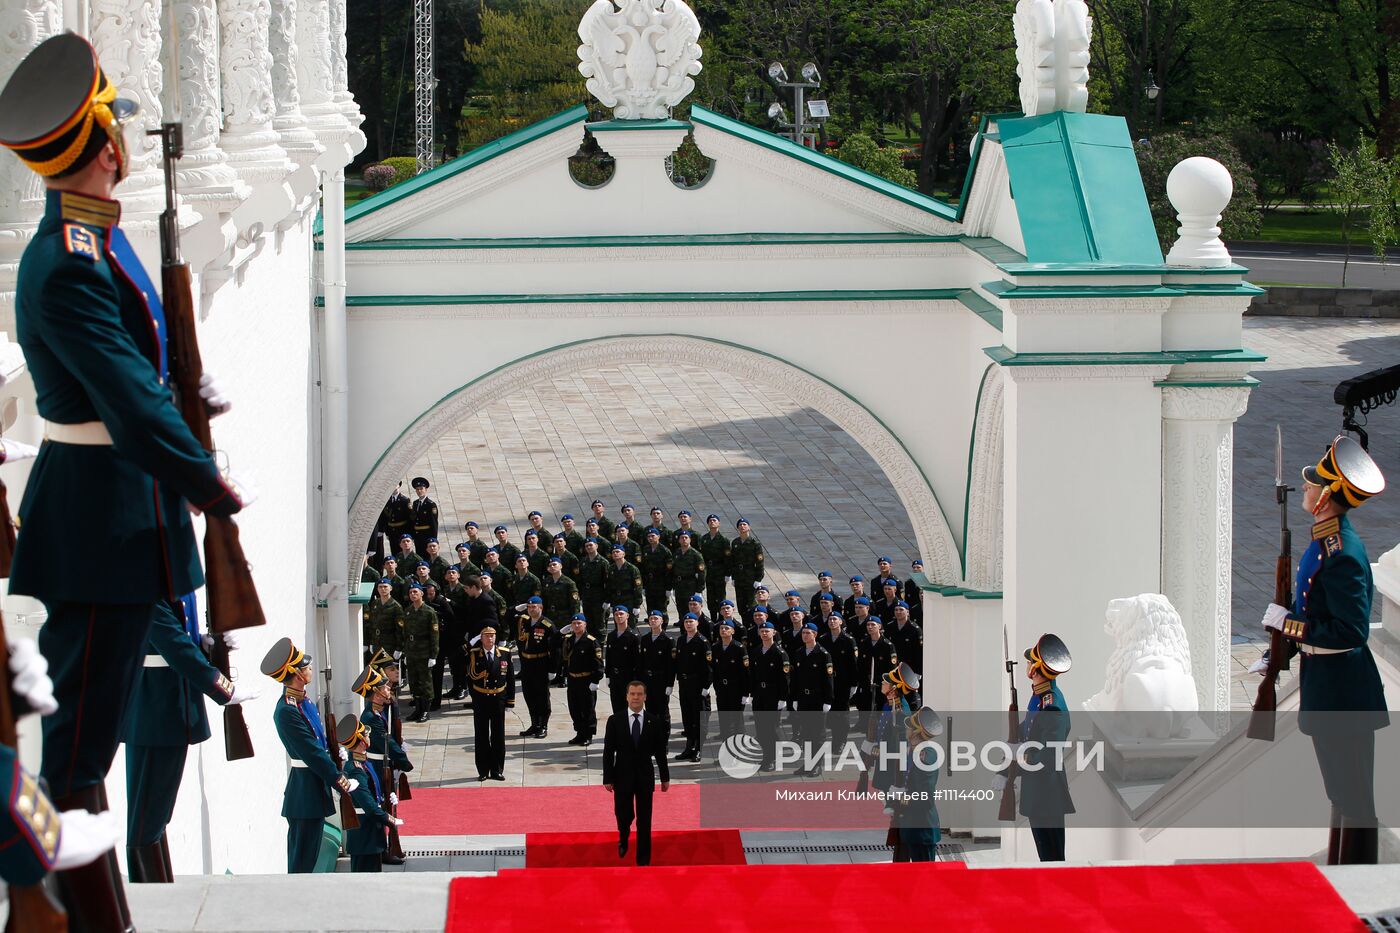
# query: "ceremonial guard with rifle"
120,470
915,819
365,843
1328,622
314,772
1045,798
167,717
385,754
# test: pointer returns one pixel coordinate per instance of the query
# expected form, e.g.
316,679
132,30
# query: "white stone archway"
935,539
983,538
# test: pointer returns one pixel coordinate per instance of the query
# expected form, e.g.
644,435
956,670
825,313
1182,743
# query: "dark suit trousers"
153,774
634,798
489,725
95,652
583,709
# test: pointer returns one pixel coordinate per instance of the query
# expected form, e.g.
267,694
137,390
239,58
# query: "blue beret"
485,575
618,547
697,598
885,560
710,516
683,512
658,614
462,547
890,581
630,506
414,586
593,540
555,560
532,533
471,525
901,605
499,528
386,580
682,534
619,608
534,599
559,536
521,556
654,531
862,600
758,611
405,537
391,557
793,593
827,598
766,624
824,573
857,579
727,602
917,562
811,625
688,615
493,549
596,502
534,514
580,617
725,622
432,540
742,521
567,518
875,619
760,586
421,563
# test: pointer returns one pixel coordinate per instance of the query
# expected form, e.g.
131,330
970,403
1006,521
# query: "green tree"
1363,192
1160,155
861,151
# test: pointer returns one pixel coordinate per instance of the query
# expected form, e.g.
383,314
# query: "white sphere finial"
1200,189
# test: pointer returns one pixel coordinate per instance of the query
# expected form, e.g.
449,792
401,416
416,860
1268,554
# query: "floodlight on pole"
810,73
811,78
778,73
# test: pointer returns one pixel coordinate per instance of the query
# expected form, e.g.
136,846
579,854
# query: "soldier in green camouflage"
592,576
466,567
561,600
567,558
504,547
664,534
745,566
537,526
437,564
714,547
687,570
476,548
524,584
384,619
537,556
623,586
573,538
420,651
398,586
606,526
656,572
633,550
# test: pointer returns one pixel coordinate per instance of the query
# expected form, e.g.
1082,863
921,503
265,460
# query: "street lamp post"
811,78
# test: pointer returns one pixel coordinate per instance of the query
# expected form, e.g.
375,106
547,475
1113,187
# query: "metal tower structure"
423,81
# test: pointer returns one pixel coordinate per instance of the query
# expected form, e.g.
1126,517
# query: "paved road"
1306,264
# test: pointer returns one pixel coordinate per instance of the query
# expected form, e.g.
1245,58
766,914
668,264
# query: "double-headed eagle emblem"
639,59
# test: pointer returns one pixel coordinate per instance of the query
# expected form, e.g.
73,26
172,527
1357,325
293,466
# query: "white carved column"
315,80
206,181
340,78
23,25
290,123
1197,498
252,144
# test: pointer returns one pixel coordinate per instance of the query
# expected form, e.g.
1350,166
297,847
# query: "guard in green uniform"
631,548
118,470
437,564
367,843
524,583
687,571
398,586
167,717
573,538
312,777
715,548
592,577
420,652
624,583
656,572
745,566
476,548
606,526
507,551
384,619
663,534
385,753
915,802
1044,797
406,557
568,560
536,557
560,594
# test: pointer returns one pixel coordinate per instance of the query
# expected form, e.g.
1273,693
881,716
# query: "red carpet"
684,847
1216,898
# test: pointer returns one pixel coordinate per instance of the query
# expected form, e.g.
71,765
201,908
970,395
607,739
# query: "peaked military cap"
382,660
1346,468
350,730
1050,655
926,721
369,678
420,482
904,677
283,659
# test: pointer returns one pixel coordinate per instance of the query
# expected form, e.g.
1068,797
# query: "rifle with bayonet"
1280,653
1007,811
348,819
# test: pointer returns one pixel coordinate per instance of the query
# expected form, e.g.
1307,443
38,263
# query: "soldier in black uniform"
424,513
396,516
606,526
907,637
811,694
826,608
844,663
493,692
454,632
730,671
915,596
792,631
848,608
477,611
695,605
876,657
622,659
539,660
760,601
476,548
714,547
583,662
592,578
823,586
658,666
886,573
449,636
768,673
886,598
693,660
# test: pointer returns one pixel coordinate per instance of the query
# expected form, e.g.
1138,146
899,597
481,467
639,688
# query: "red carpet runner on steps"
1266,897
684,847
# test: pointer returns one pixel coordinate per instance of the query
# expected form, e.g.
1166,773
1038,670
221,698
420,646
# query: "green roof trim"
481,154
939,589
1004,289
610,126
994,251
707,117
649,240
898,294
1005,357
1244,382
981,307
1105,268
1078,191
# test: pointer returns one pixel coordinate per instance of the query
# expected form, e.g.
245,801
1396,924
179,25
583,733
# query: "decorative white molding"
206,182
1052,55
658,310
1200,189
1204,403
127,37
340,76
295,136
690,252
639,59
246,66
316,82
1026,307
1075,373
934,538
990,184
983,546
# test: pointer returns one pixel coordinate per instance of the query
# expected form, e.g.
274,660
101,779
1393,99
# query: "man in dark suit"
631,740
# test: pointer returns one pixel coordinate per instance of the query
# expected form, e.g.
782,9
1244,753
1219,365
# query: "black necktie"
636,729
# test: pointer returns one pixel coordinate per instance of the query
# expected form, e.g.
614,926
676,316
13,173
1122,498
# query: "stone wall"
1293,301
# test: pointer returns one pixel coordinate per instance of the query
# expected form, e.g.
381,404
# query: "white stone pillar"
340,78
316,82
252,144
23,25
127,37
206,181
290,123
1197,520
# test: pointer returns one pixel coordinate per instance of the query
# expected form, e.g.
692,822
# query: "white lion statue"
1148,684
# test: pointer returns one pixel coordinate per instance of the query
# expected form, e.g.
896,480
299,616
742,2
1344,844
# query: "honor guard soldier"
313,777
876,656
631,548
573,538
420,652
367,842
844,667
826,608
915,807
592,578
896,699
748,634
886,598
624,581
437,564
730,674
384,619
687,571
658,666
913,595
823,589
693,673
622,658
812,689
424,512
508,552
536,557
606,526
848,608
539,661
656,571
768,671
476,548
715,548
703,624
886,574
388,665
407,558
1044,797
1343,701
568,560
385,754
907,637
397,516
745,565
167,717
118,470
792,630
493,692
760,596
793,599
561,599
582,655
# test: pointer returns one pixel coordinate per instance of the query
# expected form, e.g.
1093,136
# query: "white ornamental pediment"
639,57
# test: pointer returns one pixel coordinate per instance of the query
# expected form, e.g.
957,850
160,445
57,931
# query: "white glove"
207,642
826,707
230,640
354,784
999,782
340,750
86,836
1260,666
243,693
593,687
867,747
29,676
432,662
15,451
1274,616
393,799
668,691
241,485
745,702
396,821
213,394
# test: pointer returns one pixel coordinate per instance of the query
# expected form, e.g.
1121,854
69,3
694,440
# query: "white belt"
89,433
1309,649
297,763
155,660
373,756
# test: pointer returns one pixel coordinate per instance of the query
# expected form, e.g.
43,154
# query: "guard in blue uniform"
168,717
119,469
386,753
1343,701
916,805
366,844
307,800
1045,798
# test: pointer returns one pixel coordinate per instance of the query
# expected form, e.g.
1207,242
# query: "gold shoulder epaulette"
1326,529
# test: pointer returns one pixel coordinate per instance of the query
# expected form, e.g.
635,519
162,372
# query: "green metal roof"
1078,192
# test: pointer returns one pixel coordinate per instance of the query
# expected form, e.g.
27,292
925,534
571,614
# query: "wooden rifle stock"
31,908
1262,720
348,819
238,744
1006,812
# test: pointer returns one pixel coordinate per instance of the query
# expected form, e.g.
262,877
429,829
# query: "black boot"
1360,845
92,894
1334,838
145,865
165,858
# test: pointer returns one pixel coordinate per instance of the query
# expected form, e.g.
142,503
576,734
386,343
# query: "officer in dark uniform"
848,608
656,571
313,777
844,665
606,527
489,591
886,574
730,674
168,717
623,586
907,637
693,662
582,655
695,605
658,666
560,594
1044,796
886,598
792,632
622,659
366,843
1343,700
397,516
493,692
592,577
119,470
449,637
876,656
539,660
424,512
454,631
687,571
715,548
768,672
573,538
745,565
913,595
812,690
568,560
